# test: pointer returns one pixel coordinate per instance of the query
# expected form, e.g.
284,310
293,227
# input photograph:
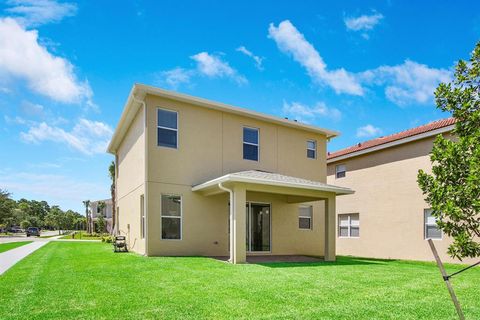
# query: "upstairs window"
340,171
305,214
167,128
349,225
431,229
312,149
250,144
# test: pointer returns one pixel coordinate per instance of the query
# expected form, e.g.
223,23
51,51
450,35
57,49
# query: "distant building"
107,212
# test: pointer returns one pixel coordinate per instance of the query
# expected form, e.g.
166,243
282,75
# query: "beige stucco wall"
209,146
205,224
130,182
389,202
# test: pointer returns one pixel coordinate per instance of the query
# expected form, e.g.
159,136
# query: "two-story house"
106,212
197,177
387,217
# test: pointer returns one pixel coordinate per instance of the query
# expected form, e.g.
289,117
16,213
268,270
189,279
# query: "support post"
239,225
446,279
330,222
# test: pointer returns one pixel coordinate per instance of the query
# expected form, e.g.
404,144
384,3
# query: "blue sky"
363,68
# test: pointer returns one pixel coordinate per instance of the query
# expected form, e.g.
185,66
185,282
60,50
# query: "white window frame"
337,172
143,224
349,226
177,217
314,149
426,224
252,144
306,217
167,128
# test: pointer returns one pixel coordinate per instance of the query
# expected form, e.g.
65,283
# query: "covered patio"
294,191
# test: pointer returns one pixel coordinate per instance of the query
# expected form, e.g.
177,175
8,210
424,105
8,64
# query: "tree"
111,173
7,206
86,203
25,224
101,223
453,188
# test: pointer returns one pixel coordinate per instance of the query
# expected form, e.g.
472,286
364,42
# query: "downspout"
145,197
232,214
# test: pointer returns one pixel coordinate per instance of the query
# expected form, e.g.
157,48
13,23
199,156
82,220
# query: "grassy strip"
81,235
12,245
92,282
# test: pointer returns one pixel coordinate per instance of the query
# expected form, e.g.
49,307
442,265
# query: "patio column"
239,254
330,229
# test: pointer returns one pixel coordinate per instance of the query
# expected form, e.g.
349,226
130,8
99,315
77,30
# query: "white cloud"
32,13
408,82
88,137
175,77
363,22
214,67
291,41
32,109
258,60
22,57
368,131
307,114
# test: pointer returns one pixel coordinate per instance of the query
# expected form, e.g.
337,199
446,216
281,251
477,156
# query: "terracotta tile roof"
394,137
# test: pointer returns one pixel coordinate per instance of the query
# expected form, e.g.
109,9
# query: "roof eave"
391,144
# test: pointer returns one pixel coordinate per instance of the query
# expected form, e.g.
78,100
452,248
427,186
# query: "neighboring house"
387,216
107,212
197,177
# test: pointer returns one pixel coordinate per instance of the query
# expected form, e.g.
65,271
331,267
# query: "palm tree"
111,173
100,207
86,203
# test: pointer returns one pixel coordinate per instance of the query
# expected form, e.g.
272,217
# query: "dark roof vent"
295,120
359,145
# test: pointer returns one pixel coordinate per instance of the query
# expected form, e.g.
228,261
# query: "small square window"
349,225
431,230
305,214
311,149
340,171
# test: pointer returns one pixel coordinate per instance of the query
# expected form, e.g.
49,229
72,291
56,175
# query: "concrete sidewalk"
11,257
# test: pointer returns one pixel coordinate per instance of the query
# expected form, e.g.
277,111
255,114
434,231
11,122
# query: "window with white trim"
167,128
431,230
340,171
171,217
250,143
142,217
305,214
311,149
349,225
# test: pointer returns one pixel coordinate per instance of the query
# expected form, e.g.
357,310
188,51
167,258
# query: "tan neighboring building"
197,177
387,216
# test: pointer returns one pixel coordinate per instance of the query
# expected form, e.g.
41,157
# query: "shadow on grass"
341,261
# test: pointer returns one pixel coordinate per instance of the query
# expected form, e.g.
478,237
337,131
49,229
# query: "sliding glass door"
258,227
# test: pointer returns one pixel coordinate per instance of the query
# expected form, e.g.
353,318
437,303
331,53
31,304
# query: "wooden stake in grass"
446,278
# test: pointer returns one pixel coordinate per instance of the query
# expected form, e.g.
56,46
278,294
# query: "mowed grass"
12,245
80,235
74,280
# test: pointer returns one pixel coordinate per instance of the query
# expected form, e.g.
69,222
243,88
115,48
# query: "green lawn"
12,245
75,280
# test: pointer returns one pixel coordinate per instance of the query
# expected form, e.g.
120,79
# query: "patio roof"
272,179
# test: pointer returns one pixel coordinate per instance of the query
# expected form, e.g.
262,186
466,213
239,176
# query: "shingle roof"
394,137
269,178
